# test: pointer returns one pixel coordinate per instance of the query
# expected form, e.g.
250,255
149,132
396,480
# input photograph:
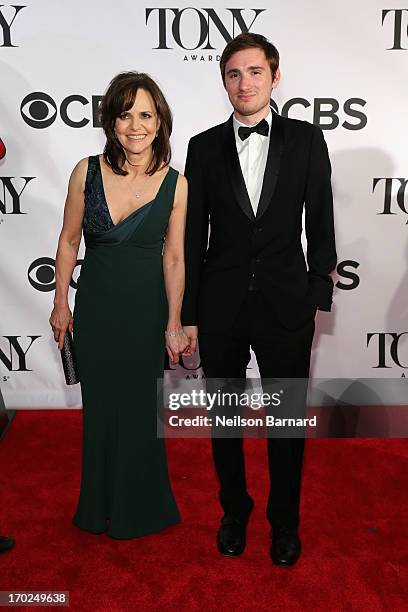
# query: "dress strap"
93,169
172,183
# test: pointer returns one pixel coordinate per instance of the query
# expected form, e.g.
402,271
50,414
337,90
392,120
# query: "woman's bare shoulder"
78,174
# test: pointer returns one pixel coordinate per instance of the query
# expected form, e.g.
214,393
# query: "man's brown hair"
247,40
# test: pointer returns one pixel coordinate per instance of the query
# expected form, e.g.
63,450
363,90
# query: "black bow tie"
261,128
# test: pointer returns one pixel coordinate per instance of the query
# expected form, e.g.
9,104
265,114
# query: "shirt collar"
238,124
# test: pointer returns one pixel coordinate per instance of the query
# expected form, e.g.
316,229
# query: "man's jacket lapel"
234,170
272,165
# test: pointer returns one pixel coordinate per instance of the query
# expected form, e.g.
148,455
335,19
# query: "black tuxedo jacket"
264,249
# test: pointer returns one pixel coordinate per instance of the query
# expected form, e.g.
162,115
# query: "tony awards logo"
8,14
14,350
199,29
390,347
395,195
11,193
397,19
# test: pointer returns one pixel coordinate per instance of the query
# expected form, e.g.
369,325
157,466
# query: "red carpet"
354,530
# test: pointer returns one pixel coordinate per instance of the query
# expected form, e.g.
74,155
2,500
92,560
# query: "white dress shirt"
253,153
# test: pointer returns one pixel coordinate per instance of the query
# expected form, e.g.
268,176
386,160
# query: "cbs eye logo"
40,111
41,274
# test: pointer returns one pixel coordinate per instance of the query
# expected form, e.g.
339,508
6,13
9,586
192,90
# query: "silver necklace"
139,193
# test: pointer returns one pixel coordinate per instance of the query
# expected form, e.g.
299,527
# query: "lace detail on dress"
96,215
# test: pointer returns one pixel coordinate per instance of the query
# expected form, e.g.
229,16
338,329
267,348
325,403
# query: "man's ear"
276,80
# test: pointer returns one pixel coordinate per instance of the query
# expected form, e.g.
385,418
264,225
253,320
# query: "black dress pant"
280,353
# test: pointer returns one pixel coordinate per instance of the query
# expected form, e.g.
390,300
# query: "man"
249,179
6,544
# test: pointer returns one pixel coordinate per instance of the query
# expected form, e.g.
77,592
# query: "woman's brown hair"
120,97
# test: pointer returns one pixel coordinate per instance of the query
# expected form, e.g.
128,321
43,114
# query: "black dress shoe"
286,546
6,544
231,538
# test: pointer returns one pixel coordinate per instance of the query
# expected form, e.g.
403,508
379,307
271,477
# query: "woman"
128,202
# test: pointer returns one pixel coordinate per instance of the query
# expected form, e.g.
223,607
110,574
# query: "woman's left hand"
176,343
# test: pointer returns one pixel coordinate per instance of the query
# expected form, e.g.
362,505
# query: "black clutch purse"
68,360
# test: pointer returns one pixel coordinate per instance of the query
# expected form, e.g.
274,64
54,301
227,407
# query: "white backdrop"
344,67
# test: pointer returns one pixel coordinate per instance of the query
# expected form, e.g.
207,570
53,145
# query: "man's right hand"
191,332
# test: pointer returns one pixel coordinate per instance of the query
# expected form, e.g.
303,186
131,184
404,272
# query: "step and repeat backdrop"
344,67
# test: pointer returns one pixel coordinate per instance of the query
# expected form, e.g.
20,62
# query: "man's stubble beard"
246,112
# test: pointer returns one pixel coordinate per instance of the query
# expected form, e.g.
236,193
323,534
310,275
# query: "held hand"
61,320
176,342
191,332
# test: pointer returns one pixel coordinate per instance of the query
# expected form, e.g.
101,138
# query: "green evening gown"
119,321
